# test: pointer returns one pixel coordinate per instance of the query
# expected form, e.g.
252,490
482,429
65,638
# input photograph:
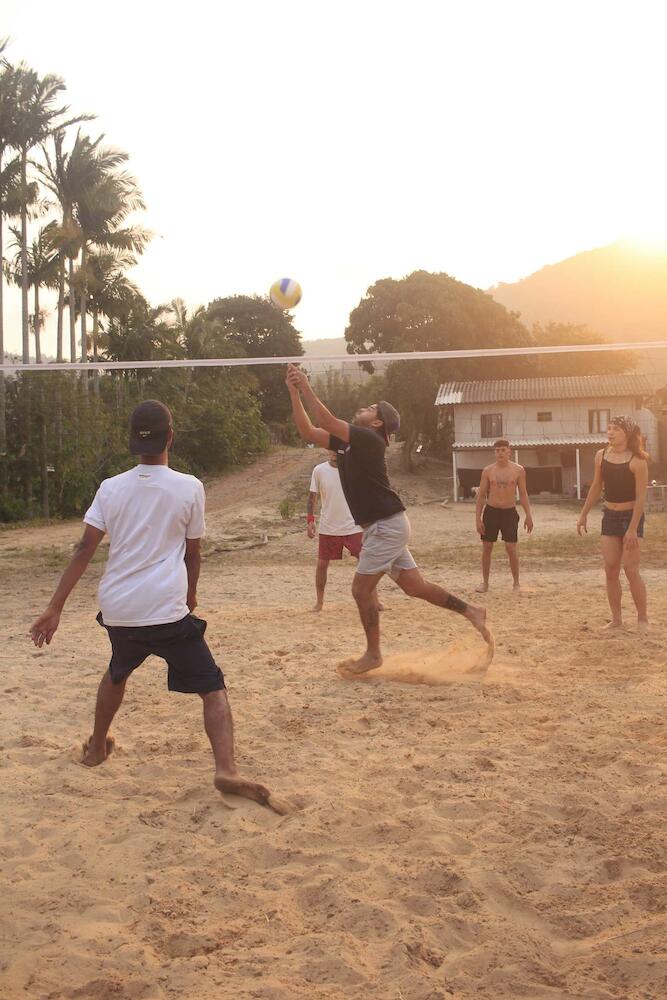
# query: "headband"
626,424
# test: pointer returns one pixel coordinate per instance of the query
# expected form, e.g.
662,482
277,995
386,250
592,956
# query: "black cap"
150,424
390,417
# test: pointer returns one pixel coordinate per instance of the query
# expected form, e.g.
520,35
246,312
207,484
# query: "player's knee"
360,590
412,586
612,570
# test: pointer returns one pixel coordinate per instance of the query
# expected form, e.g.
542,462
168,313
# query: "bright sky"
342,143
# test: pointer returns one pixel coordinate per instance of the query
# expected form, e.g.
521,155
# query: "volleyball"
285,293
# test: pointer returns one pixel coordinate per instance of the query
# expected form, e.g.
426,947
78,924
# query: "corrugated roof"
561,387
563,441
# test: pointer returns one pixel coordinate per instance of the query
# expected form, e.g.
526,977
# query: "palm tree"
36,118
10,205
109,292
68,175
102,209
41,262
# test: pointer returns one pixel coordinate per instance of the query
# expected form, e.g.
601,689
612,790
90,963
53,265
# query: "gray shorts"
385,547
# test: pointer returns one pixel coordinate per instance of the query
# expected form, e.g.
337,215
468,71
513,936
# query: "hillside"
325,347
619,291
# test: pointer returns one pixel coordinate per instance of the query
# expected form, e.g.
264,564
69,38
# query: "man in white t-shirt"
155,521
337,529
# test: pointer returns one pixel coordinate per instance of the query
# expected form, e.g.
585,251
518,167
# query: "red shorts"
331,546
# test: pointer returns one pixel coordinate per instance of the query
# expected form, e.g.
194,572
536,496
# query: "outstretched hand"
296,378
44,629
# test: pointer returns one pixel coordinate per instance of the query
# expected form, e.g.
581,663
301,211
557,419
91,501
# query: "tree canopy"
433,312
260,330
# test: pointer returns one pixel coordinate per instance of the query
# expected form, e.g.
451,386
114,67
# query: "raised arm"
594,493
307,431
524,501
44,628
326,420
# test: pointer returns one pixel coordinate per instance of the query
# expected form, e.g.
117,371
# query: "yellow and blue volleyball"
285,293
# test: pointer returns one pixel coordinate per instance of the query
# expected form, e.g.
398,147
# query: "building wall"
649,425
569,417
479,458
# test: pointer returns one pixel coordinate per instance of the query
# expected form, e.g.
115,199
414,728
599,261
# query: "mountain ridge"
618,291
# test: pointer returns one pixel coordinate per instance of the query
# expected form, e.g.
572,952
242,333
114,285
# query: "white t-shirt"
148,513
335,517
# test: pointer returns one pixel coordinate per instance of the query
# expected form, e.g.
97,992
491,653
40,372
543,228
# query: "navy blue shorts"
617,522
191,667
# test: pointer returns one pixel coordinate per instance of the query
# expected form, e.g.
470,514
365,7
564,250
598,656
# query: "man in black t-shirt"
375,506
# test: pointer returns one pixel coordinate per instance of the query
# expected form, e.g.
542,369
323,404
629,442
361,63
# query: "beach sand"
457,833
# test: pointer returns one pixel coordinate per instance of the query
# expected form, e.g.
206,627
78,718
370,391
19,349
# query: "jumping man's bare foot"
369,661
234,785
92,756
516,589
477,618
482,588
318,607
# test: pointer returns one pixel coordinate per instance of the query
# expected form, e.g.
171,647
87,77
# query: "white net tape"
486,352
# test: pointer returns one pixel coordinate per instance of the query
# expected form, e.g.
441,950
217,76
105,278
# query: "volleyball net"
103,365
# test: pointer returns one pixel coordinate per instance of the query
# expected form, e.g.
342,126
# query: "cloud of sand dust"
458,663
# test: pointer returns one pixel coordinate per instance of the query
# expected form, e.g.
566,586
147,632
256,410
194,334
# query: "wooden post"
578,475
456,485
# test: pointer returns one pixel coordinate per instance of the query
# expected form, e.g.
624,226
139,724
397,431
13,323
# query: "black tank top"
619,481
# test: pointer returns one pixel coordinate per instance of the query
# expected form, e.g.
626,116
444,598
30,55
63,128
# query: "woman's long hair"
634,437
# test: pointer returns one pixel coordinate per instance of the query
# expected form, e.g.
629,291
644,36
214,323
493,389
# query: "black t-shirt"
363,475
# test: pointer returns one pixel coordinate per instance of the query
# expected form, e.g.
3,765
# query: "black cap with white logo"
150,424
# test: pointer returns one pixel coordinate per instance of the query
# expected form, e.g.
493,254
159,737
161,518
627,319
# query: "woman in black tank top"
621,470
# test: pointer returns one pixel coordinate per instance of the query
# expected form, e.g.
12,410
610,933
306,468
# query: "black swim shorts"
191,667
500,519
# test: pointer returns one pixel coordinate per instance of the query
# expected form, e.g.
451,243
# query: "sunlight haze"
339,145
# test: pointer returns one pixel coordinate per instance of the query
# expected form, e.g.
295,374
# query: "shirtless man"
496,510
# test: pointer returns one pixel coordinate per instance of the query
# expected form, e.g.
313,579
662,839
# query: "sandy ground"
456,836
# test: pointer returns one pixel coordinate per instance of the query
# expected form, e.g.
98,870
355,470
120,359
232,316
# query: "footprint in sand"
458,663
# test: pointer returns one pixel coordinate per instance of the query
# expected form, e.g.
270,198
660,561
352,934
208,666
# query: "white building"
554,425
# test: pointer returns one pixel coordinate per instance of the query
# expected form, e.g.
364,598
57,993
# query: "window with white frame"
492,425
598,421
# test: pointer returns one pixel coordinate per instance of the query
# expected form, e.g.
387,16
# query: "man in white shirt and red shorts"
337,530
154,517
